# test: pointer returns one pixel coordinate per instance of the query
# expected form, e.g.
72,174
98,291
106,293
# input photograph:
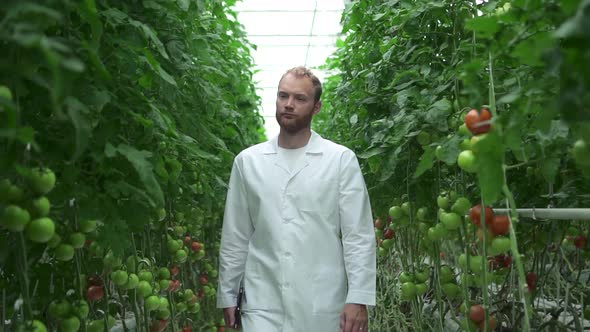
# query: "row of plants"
461,113
119,122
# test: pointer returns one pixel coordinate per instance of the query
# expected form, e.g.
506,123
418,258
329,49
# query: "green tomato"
439,152
406,277
387,243
95,326
64,252
77,240
59,309
164,284
442,201
408,290
422,214
461,206
181,256
15,218
467,161
406,207
421,289
465,144
40,207
395,212
173,246
195,308
144,289
433,235
70,324
40,230
110,261
463,130
581,152
34,326
463,261
442,230
119,277
146,275
10,193
476,264
451,290
422,276
152,302
41,180
501,245
132,282
81,309
5,92
446,274
164,273
451,220
54,241
181,307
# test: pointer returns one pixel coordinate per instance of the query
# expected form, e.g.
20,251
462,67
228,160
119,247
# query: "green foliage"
136,106
406,70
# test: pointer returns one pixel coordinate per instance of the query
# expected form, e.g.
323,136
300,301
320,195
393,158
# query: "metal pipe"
554,213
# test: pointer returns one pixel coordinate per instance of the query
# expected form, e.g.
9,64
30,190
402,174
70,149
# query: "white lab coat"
303,242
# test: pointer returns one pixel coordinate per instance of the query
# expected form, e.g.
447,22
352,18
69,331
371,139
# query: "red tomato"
388,234
187,240
531,280
204,280
94,293
187,329
196,246
476,313
474,119
174,270
491,326
500,225
580,241
475,215
379,223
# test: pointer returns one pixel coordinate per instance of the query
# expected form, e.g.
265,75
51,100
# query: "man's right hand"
229,314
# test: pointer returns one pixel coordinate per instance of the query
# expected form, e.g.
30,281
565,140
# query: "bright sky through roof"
288,34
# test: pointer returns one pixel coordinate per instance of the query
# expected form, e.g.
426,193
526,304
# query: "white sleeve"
235,236
358,236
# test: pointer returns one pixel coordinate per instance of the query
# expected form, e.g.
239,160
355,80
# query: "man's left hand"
354,318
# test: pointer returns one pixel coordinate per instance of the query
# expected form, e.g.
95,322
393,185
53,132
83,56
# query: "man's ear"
317,107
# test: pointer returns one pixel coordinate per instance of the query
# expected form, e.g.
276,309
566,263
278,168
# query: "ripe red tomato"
187,240
388,234
531,280
204,280
500,224
475,215
187,329
196,246
174,270
474,119
476,313
491,326
580,241
379,223
94,293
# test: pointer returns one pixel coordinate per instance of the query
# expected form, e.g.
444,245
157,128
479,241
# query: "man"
297,230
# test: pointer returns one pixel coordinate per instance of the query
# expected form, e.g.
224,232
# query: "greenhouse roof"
287,34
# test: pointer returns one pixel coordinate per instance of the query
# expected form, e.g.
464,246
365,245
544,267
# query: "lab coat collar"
314,146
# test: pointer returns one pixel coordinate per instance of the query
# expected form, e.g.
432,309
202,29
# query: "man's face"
295,103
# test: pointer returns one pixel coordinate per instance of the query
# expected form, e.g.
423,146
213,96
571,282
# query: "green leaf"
484,26
490,162
437,113
371,152
144,168
549,169
426,162
184,4
155,65
450,150
77,113
558,130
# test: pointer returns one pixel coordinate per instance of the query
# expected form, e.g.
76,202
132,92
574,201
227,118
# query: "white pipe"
556,214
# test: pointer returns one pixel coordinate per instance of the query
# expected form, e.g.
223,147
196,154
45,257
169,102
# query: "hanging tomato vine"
456,108
118,125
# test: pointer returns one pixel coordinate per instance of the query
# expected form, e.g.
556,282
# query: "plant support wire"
553,213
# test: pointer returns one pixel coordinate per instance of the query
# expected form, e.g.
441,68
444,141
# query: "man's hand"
229,315
354,318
